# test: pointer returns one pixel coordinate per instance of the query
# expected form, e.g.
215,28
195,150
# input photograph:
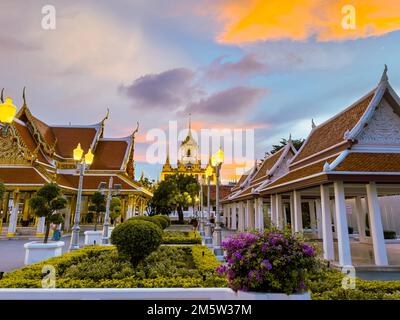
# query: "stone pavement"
12,252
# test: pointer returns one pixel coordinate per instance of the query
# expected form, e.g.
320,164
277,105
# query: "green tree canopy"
174,193
115,208
297,143
98,206
46,203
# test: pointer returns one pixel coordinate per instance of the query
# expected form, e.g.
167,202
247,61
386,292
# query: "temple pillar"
298,218
233,217
12,224
247,215
26,208
260,214
360,218
341,225
273,210
279,211
326,219
318,217
291,208
311,207
375,226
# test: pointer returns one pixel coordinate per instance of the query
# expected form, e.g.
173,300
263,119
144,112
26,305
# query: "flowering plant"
268,261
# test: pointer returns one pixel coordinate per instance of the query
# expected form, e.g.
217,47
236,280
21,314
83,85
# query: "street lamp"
216,161
208,235
111,191
7,114
201,227
82,161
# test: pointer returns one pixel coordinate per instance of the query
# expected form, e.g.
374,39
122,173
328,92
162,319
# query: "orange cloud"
260,20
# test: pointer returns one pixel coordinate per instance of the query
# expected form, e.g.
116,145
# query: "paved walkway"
12,252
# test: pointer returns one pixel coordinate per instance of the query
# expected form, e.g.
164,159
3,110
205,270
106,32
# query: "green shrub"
92,267
166,218
146,218
136,239
181,237
161,220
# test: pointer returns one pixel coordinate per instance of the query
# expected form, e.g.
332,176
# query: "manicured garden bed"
101,267
327,285
181,237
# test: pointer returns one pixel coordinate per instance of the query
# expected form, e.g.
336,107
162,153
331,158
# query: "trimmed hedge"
146,218
31,276
136,239
181,237
163,222
328,286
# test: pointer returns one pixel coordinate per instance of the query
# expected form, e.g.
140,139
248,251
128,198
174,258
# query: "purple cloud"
171,88
230,101
246,66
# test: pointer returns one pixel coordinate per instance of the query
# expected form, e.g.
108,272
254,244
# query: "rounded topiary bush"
136,239
161,220
147,218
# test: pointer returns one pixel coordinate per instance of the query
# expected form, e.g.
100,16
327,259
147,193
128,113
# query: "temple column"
291,208
256,215
248,215
298,218
26,208
273,210
326,219
233,217
279,211
341,224
260,214
12,224
241,216
319,217
311,206
333,210
375,226
360,218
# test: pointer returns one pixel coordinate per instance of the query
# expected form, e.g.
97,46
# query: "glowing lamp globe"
78,153
89,157
217,158
209,171
7,111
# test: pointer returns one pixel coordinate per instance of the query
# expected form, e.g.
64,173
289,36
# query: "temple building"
347,171
189,160
244,207
33,153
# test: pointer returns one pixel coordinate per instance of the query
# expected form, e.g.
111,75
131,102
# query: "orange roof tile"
69,137
28,140
21,175
90,182
332,132
109,155
370,162
301,173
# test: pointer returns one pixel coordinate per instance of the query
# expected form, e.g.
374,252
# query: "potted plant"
268,265
97,208
46,203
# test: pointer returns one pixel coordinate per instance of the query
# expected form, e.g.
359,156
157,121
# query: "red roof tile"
109,155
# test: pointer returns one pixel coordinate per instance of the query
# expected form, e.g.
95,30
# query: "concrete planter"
38,251
93,237
250,295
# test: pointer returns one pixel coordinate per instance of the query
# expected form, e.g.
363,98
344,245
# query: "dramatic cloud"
227,102
171,88
259,20
246,66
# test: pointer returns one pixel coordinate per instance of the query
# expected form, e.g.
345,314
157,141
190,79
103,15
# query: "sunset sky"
267,65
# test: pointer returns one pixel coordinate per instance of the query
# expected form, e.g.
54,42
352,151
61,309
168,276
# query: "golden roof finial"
2,95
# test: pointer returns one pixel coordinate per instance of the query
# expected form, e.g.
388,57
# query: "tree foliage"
297,143
174,193
46,203
98,206
115,208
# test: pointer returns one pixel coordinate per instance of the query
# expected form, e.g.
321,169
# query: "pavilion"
33,153
244,207
353,156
